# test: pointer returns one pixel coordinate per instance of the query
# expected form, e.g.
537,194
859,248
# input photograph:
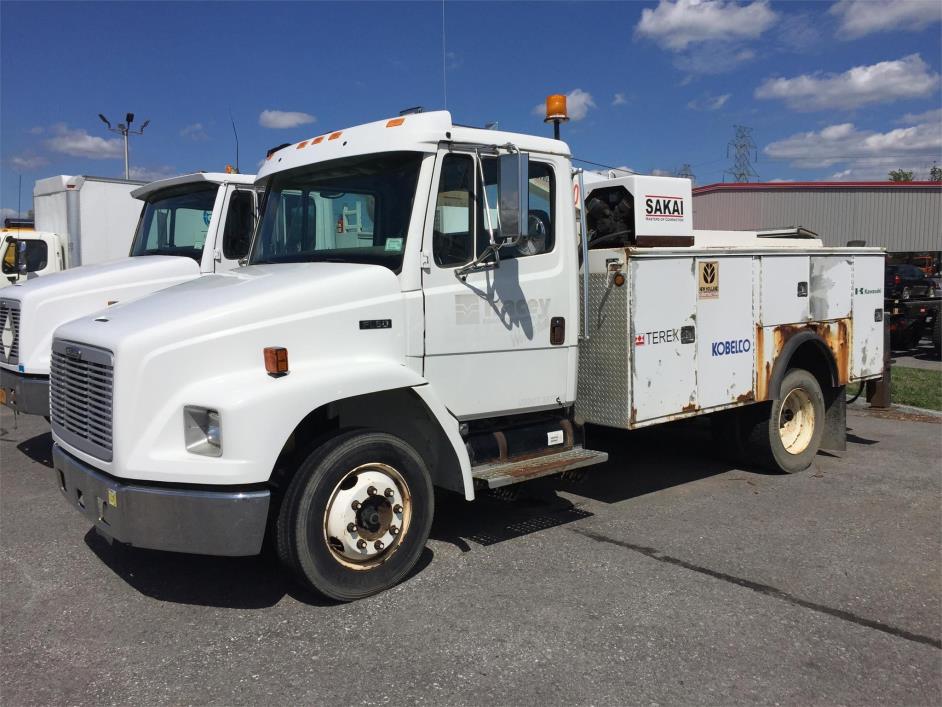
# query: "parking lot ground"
663,576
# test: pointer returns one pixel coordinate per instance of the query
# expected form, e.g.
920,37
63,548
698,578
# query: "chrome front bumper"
214,521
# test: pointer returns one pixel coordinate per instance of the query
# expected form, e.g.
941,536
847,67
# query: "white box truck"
462,337
187,226
78,221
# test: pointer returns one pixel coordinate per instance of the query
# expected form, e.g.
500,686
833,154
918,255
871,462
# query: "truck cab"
191,225
26,254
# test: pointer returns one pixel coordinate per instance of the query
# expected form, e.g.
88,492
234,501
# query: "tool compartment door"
725,330
663,337
867,329
784,289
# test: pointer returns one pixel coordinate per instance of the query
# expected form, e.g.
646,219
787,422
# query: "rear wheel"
784,436
356,515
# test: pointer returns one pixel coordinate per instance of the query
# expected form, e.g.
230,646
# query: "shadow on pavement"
227,582
38,448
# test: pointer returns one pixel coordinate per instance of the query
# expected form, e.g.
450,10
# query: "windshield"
175,223
353,210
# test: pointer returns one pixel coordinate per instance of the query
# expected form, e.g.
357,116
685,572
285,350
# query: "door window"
461,227
240,224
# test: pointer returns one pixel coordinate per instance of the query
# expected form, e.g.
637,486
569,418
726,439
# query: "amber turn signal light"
276,360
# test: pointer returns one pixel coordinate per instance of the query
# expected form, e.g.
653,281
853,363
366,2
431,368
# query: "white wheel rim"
367,516
796,421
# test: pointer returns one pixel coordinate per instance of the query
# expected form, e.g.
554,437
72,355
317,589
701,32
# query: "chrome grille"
9,331
81,384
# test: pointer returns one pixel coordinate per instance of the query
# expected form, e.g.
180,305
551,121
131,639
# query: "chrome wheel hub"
367,516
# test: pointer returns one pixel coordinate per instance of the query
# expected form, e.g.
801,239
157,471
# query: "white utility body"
416,313
79,220
184,227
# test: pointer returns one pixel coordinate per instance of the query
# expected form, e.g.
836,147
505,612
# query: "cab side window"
453,230
240,225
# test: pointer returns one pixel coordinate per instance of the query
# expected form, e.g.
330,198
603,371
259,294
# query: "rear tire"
789,438
356,516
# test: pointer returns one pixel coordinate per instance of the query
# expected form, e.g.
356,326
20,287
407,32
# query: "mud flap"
835,420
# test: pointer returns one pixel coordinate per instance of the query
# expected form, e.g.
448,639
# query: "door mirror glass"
513,196
32,256
240,225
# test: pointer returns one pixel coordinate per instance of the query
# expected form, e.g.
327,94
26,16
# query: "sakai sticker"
663,208
708,279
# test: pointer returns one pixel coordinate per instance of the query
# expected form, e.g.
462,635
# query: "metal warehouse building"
899,216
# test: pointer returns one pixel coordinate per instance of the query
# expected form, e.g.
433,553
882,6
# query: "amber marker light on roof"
276,361
317,140
395,122
301,144
334,136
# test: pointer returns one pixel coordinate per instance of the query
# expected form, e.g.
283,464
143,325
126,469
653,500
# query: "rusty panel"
772,340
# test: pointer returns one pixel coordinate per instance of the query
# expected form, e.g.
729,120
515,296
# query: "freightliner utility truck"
189,226
78,221
459,335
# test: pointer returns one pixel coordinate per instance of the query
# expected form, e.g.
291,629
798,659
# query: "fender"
780,367
258,413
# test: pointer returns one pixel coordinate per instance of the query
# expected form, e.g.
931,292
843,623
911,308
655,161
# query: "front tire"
356,516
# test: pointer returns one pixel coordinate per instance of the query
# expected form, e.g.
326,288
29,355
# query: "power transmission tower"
744,152
686,171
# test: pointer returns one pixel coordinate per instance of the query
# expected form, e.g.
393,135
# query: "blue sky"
832,90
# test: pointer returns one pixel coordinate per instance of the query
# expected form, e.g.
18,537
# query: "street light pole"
124,129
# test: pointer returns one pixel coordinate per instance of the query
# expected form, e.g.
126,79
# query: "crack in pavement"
765,589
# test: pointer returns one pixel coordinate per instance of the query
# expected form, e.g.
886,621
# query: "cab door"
234,234
488,344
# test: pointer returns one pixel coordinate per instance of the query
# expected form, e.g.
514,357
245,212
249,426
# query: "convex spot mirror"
513,197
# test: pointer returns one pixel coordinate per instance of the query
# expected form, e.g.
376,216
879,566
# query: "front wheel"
356,516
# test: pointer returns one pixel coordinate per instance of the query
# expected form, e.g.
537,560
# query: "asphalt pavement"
664,576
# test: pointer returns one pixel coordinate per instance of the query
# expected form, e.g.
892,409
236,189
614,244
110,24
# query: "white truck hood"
222,306
47,302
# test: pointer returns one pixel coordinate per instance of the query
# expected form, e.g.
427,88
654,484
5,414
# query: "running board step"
499,474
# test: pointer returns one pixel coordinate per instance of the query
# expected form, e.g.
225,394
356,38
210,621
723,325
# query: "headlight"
202,431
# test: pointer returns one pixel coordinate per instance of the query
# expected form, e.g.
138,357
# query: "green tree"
935,174
900,175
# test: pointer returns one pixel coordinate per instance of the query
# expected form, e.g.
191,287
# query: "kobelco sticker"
728,348
708,279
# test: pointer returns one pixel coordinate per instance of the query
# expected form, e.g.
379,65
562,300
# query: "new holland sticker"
708,280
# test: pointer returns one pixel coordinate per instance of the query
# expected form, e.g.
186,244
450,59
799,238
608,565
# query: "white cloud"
859,18
284,119
6,213
662,173
929,116
676,25
886,81
79,143
27,162
619,99
861,154
578,103
709,102
152,174
195,132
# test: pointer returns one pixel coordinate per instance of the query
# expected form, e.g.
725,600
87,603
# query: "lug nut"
388,493
393,530
378,544
351,527
397,508
371,491
361,544
355,505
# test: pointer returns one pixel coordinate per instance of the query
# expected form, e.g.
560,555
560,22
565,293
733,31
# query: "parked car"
905,282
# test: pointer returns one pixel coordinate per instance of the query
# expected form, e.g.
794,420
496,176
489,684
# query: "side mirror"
513,196
31,256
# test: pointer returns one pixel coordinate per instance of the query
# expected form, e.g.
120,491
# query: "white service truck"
462,337
78,221
187,226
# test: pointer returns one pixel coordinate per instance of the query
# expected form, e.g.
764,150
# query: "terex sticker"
684,335
663,208
708,279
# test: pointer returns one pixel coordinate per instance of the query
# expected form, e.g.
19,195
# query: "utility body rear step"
500,474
